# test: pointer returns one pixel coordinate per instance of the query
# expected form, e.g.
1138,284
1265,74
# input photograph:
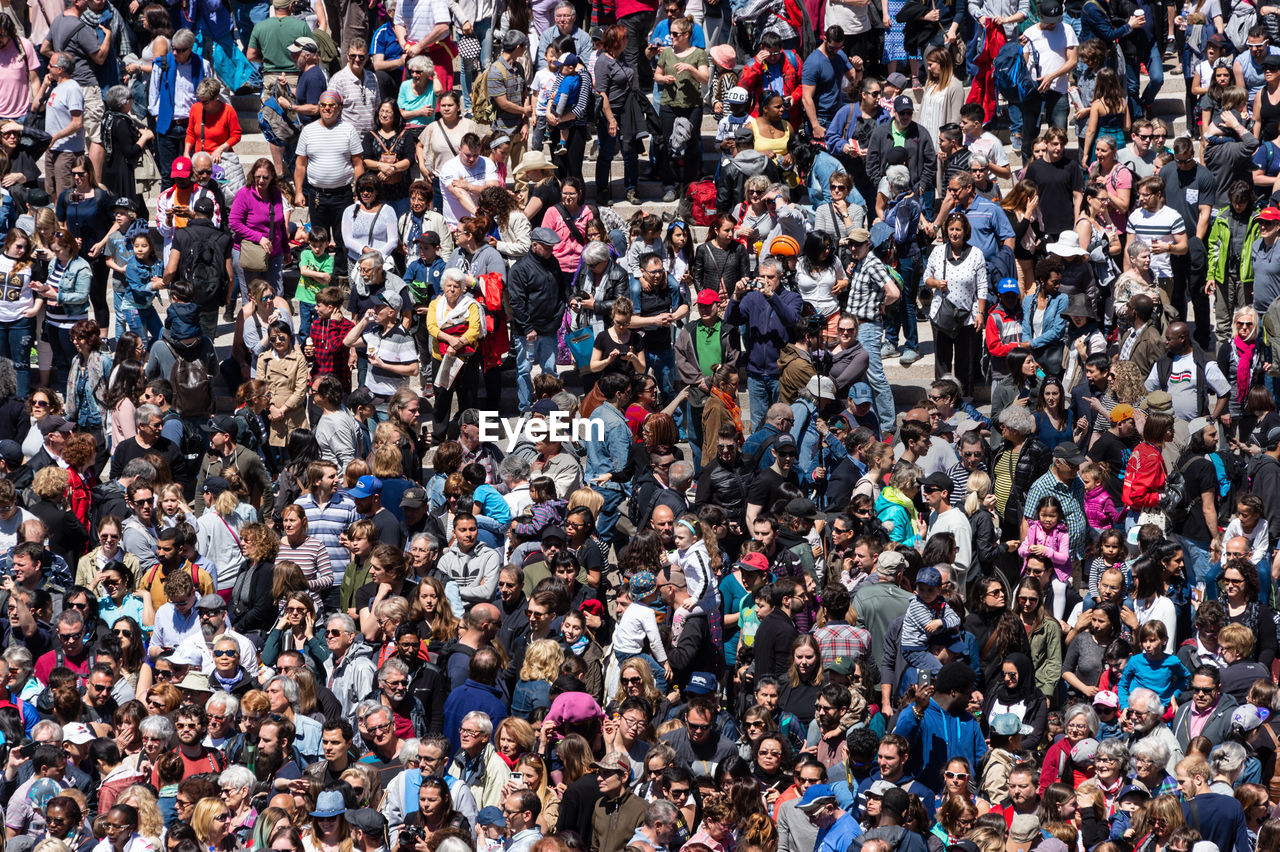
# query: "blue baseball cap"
817,796
491,815
929,576
1007,285
701,683
366,486
860,393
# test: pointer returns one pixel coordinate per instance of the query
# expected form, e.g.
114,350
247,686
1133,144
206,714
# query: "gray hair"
899,177
453,844
393,664
287,686
1090,717
1117,750
661,811
116,97
157,726
374,255
369,708
208,89
1154,706
979,160
433,543
183,39
905,475
70,618
564,4
200,157
1247,311
1152,749
145,413
681,473
1106,142
348,623
594,253
514,467
770,262
453,274
1136,247
229,703
567,400
482,722
1017,418
19,659
420,63
139,469
55,730
1227,759
236,777
409,750
63,61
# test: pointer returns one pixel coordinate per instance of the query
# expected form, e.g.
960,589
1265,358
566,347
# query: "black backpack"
194,442
1176,501
203,267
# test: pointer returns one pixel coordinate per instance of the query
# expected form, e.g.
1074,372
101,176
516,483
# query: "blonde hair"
183,506
588,497
150,820
50,482
975,491
387,463
202,819
542,660
520,731
707,534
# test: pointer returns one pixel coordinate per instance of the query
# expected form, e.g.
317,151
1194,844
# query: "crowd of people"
268,577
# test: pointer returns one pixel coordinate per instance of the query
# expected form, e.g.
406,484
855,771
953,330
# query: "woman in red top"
1079,723
213,126
1145,475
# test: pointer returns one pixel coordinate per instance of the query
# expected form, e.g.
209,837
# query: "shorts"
93,111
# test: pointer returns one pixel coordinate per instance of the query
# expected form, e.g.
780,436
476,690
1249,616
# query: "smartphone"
925,679
27,750
517,779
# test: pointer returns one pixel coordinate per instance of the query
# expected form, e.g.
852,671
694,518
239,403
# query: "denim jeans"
1196,555
1155,79
144,322
274,275
693,428
903,314
663,365
871,335
63,353
542,350
762,391
15,344
306,314
614,497
483,30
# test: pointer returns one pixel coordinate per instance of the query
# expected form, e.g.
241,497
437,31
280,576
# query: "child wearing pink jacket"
1100,510
1047,536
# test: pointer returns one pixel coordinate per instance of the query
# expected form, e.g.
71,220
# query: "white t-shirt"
1052,46
66,98
483,172
1182,384
989,146
1160,225
329,151
15,290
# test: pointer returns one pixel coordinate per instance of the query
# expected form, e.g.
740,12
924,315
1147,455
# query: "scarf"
893,495
1244,366
168,88
226,684
447,316
730,403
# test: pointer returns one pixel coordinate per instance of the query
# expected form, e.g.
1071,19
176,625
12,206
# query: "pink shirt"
15,67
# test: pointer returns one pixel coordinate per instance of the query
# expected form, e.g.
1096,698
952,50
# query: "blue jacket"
1055,324
137,281
765,432
612,454
937,738
911,785
769,322
472,696
805,431
1220,820
1165,678
824,166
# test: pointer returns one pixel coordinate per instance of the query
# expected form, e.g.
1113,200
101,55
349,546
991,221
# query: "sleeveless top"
1269,115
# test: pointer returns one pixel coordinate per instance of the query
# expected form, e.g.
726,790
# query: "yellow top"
770,147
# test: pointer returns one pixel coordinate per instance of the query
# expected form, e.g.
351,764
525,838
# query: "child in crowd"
1106,704
143,276
678,246
1116,660
1111,553
1248,522
117,249
324,349
927,614
1100,508
646,236
544,84
637,622
491,829
737,102
315,268
1047,536
1153,669
568,88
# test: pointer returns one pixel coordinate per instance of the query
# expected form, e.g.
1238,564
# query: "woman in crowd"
19,307
1044,633
1016,693
543,186
86,396
418,94
370,223
252,605
438,144
214,128
568,219
821,281
388,154
1239,586
258,220
681,72
772,132
430,610
454,321
503,209
284,369
66,289
128,140
212,824
943,93
296,631
85,211
617,87
957,273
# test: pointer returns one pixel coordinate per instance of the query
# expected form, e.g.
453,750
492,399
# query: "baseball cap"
1069,453
390,297
1247,717
366,486
929,576
701,683
1106,698
821,387
592,606
1160,400
802,507
429,238
890,563
902,103
1083,751
614,761
546,236
785,443
1008,285
839,665
897,79
545,407
491,815
215,485
123,204
77,733
304,43
937,481
860,393
368,820
55,423
554,532
817,796
1216,40
181,168
11,453
1121,413
203,206
222,423
184,655
413,498
754,562
1271,60
879,787
708,297
1269,214
1024,827
1050,11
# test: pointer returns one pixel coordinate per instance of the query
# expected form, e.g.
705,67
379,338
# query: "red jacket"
1144,477
983,89
1003,332
752,80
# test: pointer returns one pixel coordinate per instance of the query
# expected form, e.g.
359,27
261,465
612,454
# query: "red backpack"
701,196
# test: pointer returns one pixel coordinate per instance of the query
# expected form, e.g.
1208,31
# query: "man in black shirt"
1201,477
777,630
149,420
1061,182
764,490
1114,446
1190,189
663,303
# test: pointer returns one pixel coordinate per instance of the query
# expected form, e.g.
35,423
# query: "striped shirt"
1160,225
419,17
866,289
397,348
329,151
329,523
313,558
73,279
359,98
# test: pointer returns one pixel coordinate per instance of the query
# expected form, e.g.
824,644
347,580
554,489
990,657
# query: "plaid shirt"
866,289
841,639
330,355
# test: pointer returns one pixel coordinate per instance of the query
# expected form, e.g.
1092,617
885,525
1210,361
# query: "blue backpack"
1013,78
904,217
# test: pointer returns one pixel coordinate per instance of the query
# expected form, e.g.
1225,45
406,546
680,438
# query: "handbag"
456,330
581,342
951,318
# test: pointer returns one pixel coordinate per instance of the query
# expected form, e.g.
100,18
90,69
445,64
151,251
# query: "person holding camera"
769,313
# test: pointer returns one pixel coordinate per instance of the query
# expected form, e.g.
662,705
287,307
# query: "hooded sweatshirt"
936,738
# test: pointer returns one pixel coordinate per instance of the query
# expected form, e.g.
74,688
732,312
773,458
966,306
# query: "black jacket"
536,295
1033,461
694,651
1264,480
67,538
725,487
922,158
24,475
708,275
733,174
613,284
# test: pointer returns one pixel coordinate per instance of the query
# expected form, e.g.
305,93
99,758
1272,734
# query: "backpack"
1175,502
192,389
1229,468
701,196
903,216
482,109
1012,76
203,267
193,443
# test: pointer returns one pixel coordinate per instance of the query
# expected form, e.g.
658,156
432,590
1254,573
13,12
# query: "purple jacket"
251,216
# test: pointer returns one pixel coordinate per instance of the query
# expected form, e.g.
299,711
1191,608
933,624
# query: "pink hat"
1107,698
574,707
725,56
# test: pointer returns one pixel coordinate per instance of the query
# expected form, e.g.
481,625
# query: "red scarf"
730,403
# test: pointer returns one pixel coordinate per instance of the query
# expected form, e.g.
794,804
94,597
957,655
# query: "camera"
410,835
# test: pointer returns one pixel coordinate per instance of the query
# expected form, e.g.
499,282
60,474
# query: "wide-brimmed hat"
534,160
724,55
1078,306
329,804
1067,245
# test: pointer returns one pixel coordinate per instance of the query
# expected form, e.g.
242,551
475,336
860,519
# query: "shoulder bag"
950,318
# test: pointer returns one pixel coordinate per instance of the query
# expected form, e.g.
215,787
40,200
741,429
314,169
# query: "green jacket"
1046,655
1218,245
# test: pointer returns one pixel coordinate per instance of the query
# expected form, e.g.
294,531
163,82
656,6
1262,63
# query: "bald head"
1236,547
1177,338
663,522
777,413
201,160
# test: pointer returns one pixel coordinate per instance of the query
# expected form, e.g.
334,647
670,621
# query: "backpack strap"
754,458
